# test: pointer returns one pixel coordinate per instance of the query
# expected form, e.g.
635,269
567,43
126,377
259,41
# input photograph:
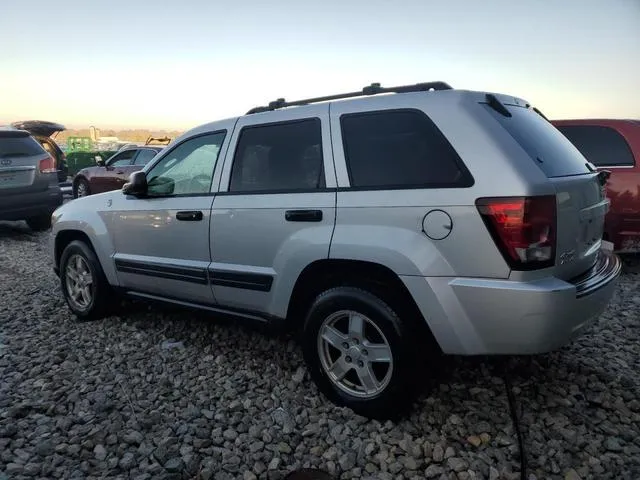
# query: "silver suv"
391,228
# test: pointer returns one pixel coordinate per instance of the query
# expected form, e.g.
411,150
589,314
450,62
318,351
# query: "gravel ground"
160,393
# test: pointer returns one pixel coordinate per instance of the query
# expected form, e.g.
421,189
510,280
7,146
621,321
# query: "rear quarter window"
19,147
396,149
602,146
548,148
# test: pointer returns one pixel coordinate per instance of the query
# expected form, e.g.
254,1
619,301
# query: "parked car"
44,132
29,188
613,145
114,172
389,229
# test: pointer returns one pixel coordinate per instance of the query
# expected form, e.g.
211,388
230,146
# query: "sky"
178,64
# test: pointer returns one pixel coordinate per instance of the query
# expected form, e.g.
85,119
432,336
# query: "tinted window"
123,159
144,156
548,148
188,168
602,146
19,147
279,157
399,149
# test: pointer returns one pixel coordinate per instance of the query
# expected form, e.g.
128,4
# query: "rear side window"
399,149
19,147
145,155
548,148
279,157
602,146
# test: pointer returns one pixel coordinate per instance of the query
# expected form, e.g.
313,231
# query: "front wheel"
360,354
84,285
81,188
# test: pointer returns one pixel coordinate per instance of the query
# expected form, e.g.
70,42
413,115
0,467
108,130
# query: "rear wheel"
360,354
81,188
40,222
84,285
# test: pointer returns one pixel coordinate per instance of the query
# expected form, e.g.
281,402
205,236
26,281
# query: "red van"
613,145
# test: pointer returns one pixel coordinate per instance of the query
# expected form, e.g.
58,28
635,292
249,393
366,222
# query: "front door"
162,240
275,209
115,173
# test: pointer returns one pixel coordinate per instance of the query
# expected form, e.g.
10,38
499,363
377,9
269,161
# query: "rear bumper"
25,205
486,317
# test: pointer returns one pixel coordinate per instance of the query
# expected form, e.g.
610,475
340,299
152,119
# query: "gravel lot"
160,393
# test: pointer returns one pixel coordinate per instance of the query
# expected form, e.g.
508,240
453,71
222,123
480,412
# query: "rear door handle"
303,215
189,216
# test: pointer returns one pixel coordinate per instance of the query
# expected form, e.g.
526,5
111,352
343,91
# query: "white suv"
388,228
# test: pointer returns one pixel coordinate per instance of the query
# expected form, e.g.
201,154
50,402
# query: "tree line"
129,135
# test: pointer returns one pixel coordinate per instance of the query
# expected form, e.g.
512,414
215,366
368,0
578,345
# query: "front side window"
123,159
278,158
188,168
602,146
399,149
145,155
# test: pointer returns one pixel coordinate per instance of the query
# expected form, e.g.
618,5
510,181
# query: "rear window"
19,147
399,149
602,146
548,148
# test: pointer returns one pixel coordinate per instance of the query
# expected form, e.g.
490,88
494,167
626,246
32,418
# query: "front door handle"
189,216
303,215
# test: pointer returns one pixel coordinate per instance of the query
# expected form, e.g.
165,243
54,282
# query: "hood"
39,127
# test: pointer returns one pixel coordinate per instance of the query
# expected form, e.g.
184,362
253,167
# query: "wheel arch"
64,237
374,277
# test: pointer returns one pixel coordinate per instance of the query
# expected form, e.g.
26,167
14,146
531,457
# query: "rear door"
25,167
581,200
275,210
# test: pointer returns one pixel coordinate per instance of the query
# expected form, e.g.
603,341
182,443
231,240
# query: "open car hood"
39,127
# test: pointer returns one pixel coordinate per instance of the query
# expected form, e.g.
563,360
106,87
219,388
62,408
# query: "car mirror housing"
99,160
137,185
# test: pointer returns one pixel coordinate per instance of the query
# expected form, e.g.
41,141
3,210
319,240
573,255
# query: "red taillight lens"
47,165
524,229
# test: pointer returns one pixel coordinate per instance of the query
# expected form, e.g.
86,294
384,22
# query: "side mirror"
99,160
137,185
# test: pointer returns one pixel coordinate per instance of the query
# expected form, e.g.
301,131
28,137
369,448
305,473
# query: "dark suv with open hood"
44,132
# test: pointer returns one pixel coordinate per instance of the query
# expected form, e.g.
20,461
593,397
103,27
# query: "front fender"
84,215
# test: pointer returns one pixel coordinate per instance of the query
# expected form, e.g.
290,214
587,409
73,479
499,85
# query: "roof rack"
373,89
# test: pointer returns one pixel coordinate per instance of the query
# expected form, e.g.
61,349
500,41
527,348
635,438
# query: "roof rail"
373,89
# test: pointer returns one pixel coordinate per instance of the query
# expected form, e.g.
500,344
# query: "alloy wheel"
79,282
355,354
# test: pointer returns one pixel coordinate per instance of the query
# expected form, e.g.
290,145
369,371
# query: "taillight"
47,165
524,228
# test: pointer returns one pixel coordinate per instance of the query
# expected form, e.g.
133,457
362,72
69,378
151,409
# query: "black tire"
101,291
81,183
397,397
39,223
